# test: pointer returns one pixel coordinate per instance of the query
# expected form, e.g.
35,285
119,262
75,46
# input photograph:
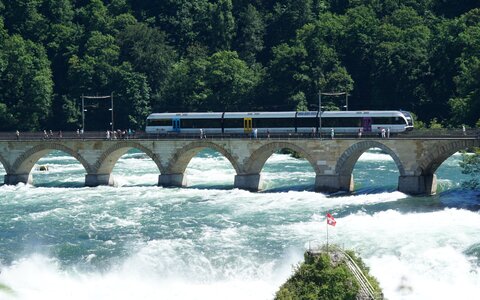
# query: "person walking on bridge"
17,134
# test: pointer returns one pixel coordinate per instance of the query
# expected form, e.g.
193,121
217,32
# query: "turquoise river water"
60,240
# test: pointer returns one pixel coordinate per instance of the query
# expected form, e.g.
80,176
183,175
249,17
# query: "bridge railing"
441,132
56,135
101,135
428,133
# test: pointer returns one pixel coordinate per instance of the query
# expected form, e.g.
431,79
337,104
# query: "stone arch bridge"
332,160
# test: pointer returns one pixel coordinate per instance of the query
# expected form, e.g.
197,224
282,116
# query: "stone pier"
14,179
93,180
334,183
249,182
172,180
418,185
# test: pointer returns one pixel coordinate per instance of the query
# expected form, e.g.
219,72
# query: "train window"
273,122
307,122
388,120
233,123
159,122
341,122
201,123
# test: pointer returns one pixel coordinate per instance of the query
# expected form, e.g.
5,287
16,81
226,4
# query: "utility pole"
346,100
320,113
338,94
98,98
83,113
111,108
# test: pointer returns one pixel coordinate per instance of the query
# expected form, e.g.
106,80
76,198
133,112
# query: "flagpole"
327,234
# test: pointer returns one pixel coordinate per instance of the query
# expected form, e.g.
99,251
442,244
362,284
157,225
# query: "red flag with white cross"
331,220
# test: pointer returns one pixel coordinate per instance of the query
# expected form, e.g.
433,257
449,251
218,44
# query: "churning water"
60,240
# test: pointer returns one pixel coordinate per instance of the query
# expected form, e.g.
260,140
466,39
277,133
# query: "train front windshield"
409,118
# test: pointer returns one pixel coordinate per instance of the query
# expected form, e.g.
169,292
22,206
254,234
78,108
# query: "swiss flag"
331,220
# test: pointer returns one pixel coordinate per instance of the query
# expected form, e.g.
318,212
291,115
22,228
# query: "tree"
401,62
220,82
222,25
186,89
95,17
310,63
444,50
286,18
25,84
251,30
187,22
91,71
466,104
232,81
318,278
359,43
149,53
471,165
62,40
131,98
451,9
24,18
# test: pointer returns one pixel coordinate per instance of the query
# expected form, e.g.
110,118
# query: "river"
60,240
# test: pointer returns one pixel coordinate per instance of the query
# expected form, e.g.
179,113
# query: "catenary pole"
111,98
320,112
83,113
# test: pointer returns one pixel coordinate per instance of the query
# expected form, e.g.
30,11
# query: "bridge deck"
101,135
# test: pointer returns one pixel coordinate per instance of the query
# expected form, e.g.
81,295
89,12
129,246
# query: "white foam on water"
225,251
416,255
39,277
375,154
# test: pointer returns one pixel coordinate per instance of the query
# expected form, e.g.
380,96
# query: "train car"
275,122
279,122
368,121
163,123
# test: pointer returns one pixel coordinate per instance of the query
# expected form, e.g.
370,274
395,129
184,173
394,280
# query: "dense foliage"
471,165
216,55
319,278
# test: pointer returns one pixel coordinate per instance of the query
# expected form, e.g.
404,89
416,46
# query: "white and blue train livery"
279,122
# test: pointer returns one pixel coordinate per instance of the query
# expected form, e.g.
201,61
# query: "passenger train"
279,122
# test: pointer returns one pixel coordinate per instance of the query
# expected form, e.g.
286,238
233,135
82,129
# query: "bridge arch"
25,162
349,157
108,159
180,160
258,158
5,164
433,159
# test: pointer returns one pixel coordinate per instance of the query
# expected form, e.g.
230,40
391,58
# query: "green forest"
235,55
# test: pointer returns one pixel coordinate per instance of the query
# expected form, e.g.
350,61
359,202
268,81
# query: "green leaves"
226,55
310,63
221,82
471,165
319,278
26,84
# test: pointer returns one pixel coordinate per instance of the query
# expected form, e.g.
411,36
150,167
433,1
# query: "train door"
367,124
247,125
176,124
